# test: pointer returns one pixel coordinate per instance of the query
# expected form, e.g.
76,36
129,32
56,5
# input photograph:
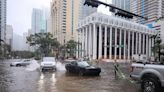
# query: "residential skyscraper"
65,16
3,19
123,4
152,9
85,10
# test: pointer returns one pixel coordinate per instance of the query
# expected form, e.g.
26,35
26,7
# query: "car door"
25,62
73,67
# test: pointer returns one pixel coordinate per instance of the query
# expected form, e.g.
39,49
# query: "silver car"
48,63
23,62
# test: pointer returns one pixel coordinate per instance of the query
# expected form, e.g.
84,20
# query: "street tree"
158,48
44,42
71,47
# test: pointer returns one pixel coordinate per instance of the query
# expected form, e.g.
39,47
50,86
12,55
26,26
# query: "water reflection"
41,83
53,78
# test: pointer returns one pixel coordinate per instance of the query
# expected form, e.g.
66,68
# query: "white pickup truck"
151,76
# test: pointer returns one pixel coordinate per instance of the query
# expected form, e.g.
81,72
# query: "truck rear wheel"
150,85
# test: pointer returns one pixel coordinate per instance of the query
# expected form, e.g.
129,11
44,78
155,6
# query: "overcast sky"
19,13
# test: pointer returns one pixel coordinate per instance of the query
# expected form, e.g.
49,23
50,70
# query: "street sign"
115,46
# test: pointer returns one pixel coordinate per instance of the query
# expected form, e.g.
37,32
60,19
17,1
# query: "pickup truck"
151,76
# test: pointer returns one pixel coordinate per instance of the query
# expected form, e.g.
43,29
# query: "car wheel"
150,85
18,65
42,70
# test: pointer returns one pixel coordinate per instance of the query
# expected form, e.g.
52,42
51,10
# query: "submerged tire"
150,85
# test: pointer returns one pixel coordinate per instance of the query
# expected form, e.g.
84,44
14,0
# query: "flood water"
31,79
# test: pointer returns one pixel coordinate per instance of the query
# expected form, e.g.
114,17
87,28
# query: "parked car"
23,62
151,76
48,63
82,68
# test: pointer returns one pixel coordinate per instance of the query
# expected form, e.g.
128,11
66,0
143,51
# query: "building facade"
9,35
152,9
39,20
109,37
85,10
25,45
3,11
123,4
65,16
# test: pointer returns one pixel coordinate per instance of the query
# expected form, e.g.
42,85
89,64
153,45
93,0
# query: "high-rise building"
65,15
39,20
3,19
17,42
9,35
36,20
25,46
85,10
123,4
152,9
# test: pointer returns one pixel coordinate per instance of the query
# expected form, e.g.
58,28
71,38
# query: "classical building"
110,37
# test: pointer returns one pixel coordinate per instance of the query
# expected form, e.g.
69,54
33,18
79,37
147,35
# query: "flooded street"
31,79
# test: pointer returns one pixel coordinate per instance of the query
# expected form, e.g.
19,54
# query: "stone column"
120,44
94,41
90,41
128,44
136,43
143,44
132,42
83,49
139,43
115,47
147,46
152,46
105,43
125,46
86,40
110,47
100,41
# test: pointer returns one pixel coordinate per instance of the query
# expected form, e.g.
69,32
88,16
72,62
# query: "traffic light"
92,3
112,9
124,14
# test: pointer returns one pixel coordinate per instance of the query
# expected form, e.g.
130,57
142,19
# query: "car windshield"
26,60
83,64
49,59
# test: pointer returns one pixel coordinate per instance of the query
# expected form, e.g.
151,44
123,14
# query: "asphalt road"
31,79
